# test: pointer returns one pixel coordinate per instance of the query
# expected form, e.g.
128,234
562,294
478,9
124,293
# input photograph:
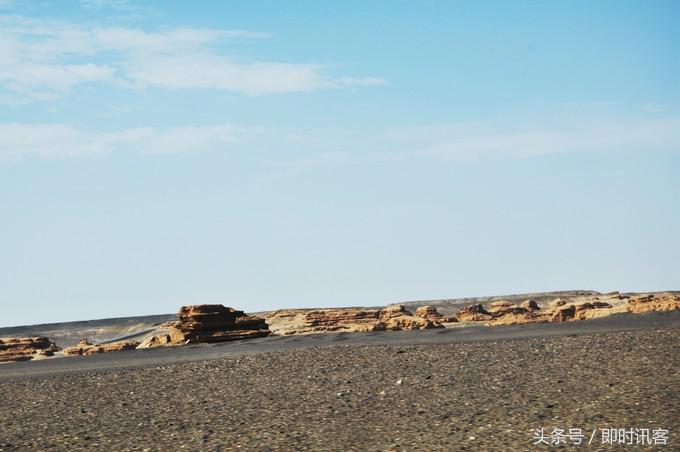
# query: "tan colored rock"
653,303
563,313
500,306
25,348
159,340
85,347
431,313
473,313
112,347
557,302
530,305
215,323
80,348
350,320
397,317
393,317
518,316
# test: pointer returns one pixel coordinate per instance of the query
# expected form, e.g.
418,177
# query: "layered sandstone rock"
473,313
85,347
342,320
664,302
431,313
392,318
502,312
530,305
25,348
498,307
516,315
215,323
557,302
397,317
158,340
592,310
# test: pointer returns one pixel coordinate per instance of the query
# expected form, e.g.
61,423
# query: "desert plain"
485,374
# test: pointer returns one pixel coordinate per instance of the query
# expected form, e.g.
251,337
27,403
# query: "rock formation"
341,320
431,313
397,317
653,302
391,318
215,323
560,310
529,305
159,340
85,347
473,313
25,348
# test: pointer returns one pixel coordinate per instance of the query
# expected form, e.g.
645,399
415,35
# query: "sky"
267,154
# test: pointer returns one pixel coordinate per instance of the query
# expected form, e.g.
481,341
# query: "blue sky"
288,154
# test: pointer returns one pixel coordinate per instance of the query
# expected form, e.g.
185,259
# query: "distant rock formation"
653,303
560,310
431,313
85,347
390,318
397,317
473,313
159,340
340,320
26,348
207,323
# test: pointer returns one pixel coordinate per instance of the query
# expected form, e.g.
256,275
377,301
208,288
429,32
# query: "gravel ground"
464,396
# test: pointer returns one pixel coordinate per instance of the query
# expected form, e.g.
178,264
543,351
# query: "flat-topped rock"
85,347
26,348
208,323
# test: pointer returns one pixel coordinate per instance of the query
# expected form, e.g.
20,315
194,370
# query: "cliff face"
26,348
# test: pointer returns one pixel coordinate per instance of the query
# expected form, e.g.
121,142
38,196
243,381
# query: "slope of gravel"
464,396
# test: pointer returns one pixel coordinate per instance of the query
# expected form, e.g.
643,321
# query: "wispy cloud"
484,140
45,59
438,142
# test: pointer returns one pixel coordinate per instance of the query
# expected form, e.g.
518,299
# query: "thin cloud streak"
442,142
42,60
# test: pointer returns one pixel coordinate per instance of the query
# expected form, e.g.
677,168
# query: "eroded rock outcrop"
473,313
560,310
431,313
397,317
26,348
214,323
391,318
529,305
341,320
85,347
158,340
653,303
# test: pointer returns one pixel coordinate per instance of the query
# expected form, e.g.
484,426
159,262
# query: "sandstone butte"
25,348
207,323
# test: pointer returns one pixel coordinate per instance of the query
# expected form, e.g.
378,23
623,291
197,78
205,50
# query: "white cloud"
441,142
59,140
488,140
44,59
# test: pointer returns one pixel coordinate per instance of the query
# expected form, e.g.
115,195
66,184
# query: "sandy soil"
439,393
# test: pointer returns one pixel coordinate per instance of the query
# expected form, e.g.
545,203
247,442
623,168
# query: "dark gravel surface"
461,396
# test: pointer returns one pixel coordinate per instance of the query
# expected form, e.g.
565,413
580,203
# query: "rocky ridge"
390,318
